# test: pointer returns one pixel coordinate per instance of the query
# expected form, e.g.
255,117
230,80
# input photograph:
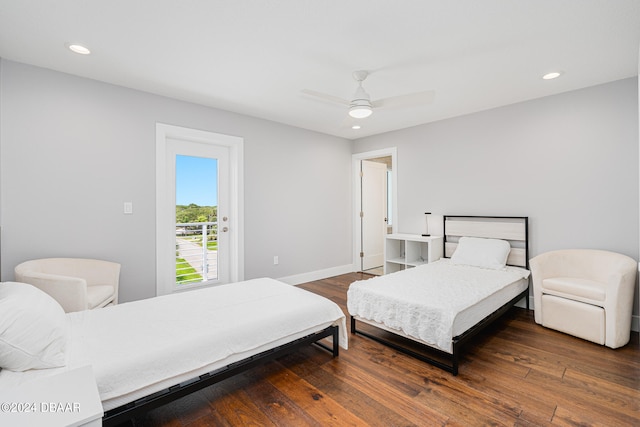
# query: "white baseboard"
522,303
296,279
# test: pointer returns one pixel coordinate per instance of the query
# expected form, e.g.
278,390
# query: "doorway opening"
375,207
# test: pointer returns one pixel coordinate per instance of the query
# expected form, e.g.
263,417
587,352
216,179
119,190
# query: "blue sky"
196,181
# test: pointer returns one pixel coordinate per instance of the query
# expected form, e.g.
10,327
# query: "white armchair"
76,283
587,293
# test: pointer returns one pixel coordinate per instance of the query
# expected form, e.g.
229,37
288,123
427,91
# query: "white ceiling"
255,56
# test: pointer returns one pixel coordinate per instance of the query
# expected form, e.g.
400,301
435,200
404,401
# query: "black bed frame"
125,412
458,341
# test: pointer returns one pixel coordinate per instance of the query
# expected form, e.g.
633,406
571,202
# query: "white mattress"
434,302
141,347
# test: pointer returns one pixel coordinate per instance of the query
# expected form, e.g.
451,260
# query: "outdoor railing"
196,252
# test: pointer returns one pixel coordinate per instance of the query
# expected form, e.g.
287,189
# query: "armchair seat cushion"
99,296
585,290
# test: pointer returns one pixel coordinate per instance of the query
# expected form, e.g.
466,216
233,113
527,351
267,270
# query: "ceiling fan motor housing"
360,106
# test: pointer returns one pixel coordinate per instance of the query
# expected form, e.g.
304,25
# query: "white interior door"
373,217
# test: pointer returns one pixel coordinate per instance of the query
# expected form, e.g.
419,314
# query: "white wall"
73,150
569,162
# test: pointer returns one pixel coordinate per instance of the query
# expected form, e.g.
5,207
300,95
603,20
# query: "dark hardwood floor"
516,373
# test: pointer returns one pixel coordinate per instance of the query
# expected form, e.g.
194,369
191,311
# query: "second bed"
444,303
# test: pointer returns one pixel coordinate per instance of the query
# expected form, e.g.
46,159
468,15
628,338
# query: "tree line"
195,213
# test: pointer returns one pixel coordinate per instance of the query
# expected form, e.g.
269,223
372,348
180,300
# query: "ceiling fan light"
360,111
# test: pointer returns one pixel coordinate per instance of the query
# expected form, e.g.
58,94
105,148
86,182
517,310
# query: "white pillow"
33,328
484,253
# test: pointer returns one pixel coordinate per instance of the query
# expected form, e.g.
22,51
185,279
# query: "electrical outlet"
275,260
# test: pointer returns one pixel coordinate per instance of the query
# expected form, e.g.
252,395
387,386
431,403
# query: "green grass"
211,244
185,273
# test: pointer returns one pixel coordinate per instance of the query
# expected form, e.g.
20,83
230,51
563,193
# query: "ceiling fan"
361,106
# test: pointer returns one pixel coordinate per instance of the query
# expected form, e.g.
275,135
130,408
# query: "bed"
149,352
443,304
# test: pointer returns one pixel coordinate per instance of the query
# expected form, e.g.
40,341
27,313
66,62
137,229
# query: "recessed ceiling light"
78,48
553,75
356,127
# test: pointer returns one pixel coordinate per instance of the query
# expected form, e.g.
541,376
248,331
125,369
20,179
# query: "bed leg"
353,325
336,341
454,361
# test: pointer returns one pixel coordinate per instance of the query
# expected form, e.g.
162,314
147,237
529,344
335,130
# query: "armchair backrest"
93,271
69,280
590,264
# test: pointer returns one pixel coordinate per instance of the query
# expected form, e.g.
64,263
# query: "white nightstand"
67,399
404,251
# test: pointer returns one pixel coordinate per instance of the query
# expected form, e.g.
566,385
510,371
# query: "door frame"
357,193
235,145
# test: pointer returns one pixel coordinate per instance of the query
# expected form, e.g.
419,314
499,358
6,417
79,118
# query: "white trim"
236,184
355,171
523,303
297,279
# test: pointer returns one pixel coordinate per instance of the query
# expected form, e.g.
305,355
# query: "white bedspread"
422,302
148,343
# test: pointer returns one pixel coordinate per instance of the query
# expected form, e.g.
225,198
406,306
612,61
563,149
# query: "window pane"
196,219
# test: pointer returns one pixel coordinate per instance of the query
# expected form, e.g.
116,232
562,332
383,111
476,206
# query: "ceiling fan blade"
325,97
408,100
